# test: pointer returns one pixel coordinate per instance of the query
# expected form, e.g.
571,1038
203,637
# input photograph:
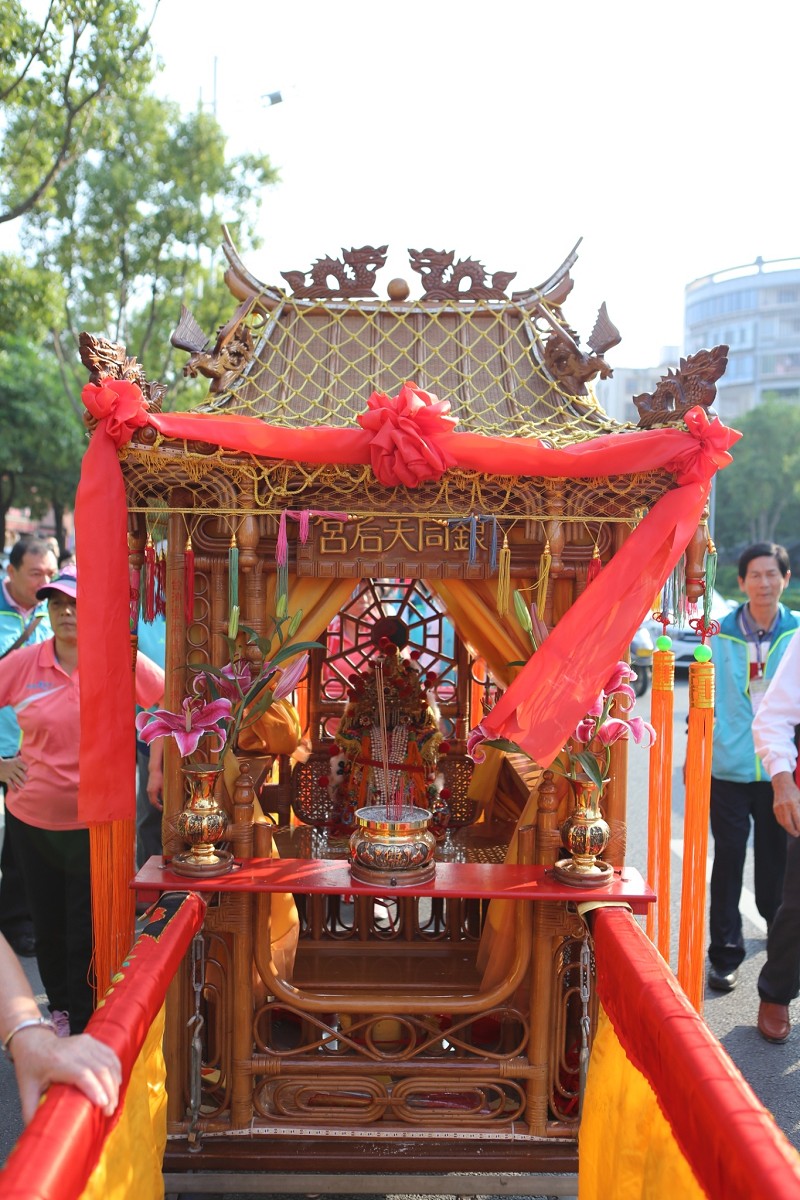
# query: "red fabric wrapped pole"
59,1149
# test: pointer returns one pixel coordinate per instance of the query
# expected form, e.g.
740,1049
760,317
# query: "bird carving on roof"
232,350
571,367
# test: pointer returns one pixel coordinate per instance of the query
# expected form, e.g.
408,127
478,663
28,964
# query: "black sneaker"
720,980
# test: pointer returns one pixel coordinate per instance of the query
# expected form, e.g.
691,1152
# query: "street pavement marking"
747,903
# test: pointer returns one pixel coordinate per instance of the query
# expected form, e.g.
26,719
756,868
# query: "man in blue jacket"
750,644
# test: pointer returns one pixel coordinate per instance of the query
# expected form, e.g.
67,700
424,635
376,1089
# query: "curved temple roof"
312,354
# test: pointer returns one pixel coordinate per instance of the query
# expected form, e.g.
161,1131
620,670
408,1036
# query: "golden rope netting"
317,364
234,483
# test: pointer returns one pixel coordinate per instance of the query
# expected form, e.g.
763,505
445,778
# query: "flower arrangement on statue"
224,701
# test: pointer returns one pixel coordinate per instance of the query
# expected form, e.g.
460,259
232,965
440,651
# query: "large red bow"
120,403
697,463
404,447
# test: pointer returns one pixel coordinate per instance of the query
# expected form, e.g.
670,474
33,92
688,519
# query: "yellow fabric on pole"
130,1164
626,1148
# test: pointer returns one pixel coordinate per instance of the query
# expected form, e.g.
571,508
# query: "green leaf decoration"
505,744
522,612
591,767
293,650
205,668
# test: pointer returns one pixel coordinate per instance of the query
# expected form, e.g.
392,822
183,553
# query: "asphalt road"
771,1070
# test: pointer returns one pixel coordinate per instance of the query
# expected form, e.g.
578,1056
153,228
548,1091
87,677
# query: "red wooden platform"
493,881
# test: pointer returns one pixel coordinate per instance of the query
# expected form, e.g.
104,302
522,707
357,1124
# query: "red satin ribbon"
120,404
404,430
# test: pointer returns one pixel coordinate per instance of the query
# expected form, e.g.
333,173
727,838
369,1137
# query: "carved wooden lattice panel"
350,646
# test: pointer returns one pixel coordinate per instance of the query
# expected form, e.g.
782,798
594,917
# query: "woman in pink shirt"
41,683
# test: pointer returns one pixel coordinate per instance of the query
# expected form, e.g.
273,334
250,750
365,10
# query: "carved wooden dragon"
693,383
354,274
442,277
108,360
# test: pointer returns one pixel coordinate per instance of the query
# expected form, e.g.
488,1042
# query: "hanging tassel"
691,941
112,849
282,563
595,565
680,601
233,574
149,581
493,549
503,578
543,579
473,540
135,582
302,532
161,585
659,854
711,579
188,581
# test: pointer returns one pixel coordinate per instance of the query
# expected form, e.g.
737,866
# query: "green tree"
758,495
129,229
53,75
41,442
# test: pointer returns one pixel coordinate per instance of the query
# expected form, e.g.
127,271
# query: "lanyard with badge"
757,638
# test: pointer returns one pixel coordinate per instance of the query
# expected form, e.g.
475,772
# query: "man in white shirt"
774,735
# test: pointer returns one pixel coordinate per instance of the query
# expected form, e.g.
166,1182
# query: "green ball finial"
663,642
702,653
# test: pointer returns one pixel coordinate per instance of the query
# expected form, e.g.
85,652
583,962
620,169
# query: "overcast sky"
664,135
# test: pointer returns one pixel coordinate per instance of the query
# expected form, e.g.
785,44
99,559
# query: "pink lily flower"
585,730
613,730
196,720
474,739
290,677
618,681
641,730
239,672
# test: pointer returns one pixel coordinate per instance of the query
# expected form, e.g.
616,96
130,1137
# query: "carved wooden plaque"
401,547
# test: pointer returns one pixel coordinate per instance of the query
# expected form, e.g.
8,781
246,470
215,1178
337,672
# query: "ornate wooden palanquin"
427,1026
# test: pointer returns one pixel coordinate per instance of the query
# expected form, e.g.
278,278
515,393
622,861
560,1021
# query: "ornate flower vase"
202,823
397,851
585,834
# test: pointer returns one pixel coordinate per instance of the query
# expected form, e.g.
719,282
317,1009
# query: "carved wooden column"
556,538
252,599
241,992
175,662
176,1049
615,806
547,920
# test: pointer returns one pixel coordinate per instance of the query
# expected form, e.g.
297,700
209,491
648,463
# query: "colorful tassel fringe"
691,942
659,853
503,578
543,580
